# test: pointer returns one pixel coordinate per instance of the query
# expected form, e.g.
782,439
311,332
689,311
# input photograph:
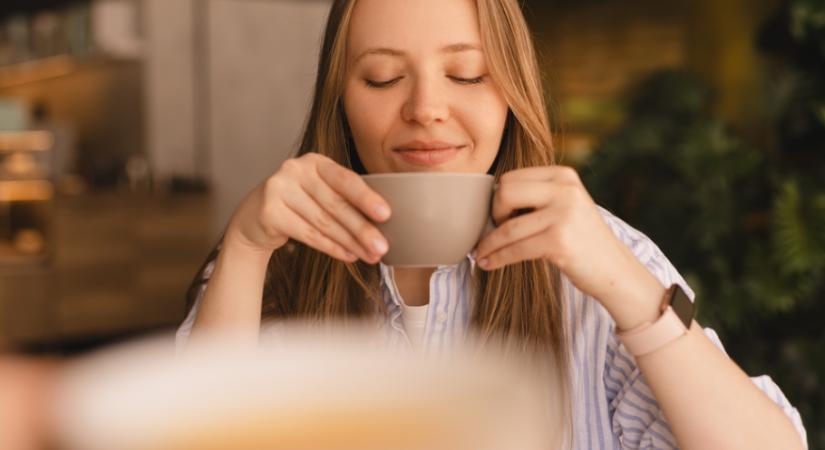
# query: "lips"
428,153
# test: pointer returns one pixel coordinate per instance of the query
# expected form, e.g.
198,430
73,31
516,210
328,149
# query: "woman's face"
417,94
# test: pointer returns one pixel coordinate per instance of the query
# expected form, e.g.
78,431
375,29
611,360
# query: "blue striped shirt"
612,405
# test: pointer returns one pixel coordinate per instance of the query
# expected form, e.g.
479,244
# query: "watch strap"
651,336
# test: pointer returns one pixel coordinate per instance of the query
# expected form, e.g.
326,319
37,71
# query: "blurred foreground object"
25,397
314,390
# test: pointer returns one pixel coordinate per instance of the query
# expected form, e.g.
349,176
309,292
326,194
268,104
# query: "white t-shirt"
415,319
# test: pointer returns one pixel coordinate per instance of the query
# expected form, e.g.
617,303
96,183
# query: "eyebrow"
452,48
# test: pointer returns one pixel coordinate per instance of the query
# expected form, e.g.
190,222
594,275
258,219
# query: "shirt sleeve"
636,419
185,328
271,329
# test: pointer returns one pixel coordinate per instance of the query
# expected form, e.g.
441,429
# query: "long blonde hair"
520,302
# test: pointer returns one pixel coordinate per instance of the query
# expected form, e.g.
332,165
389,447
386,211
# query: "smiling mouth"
428,149
429,156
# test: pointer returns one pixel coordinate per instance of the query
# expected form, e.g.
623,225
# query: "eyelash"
478,80
385,84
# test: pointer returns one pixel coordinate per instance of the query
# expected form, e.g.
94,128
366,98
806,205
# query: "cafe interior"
131,129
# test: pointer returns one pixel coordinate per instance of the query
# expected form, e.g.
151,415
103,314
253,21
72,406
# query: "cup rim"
426,174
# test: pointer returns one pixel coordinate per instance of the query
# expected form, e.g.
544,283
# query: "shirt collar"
388,276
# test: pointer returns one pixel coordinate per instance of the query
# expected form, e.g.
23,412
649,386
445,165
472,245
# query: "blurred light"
25,190
38,141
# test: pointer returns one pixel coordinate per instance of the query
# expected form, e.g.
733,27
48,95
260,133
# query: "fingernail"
484,263
382,212
379,245
350,255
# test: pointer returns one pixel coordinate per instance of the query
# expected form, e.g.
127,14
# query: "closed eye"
388,83
382,84
468,80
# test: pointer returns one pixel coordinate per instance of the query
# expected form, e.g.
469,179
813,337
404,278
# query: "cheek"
369,119
485,119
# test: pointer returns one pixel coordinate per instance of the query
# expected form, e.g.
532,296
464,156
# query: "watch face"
682,306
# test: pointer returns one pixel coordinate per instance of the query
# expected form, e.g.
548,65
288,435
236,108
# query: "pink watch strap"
648,337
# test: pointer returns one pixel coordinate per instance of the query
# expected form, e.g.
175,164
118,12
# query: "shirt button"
441,317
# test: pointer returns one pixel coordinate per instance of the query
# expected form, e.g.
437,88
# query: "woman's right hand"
314,200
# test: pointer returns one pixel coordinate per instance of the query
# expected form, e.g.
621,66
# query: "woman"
453,86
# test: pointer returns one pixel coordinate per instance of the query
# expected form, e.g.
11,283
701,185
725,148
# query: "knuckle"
315,158
347,242
267,212
569,172
508,230
338,174
362,229
312,234
571,192
334,249
344,177
291,165
505,194
339,203
273,184
365,230
324,220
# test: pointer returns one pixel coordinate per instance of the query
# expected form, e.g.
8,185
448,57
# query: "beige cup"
437,218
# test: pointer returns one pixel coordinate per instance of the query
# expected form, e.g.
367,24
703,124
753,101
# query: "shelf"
26,191
22,73
34,141
12,262
36,70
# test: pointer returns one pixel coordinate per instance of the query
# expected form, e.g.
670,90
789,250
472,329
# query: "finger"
512,231
516,195
302,203
544,173
353,188
369,237
297,227
523,250
303,231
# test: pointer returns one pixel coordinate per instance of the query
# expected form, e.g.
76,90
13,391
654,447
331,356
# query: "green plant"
743,222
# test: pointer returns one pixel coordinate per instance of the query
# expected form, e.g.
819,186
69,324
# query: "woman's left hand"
564,226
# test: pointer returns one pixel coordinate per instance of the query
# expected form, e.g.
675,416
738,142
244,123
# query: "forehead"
412,25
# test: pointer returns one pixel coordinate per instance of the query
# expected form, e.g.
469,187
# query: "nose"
425,105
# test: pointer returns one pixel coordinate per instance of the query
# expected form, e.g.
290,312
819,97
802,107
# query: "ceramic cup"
437,218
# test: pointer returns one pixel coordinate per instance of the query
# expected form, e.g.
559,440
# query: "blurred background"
129,130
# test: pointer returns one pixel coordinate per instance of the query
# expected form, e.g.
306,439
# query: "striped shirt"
612,405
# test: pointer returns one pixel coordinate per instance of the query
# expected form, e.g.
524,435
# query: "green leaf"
796,242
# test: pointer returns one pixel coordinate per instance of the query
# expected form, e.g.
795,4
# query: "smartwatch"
677,313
